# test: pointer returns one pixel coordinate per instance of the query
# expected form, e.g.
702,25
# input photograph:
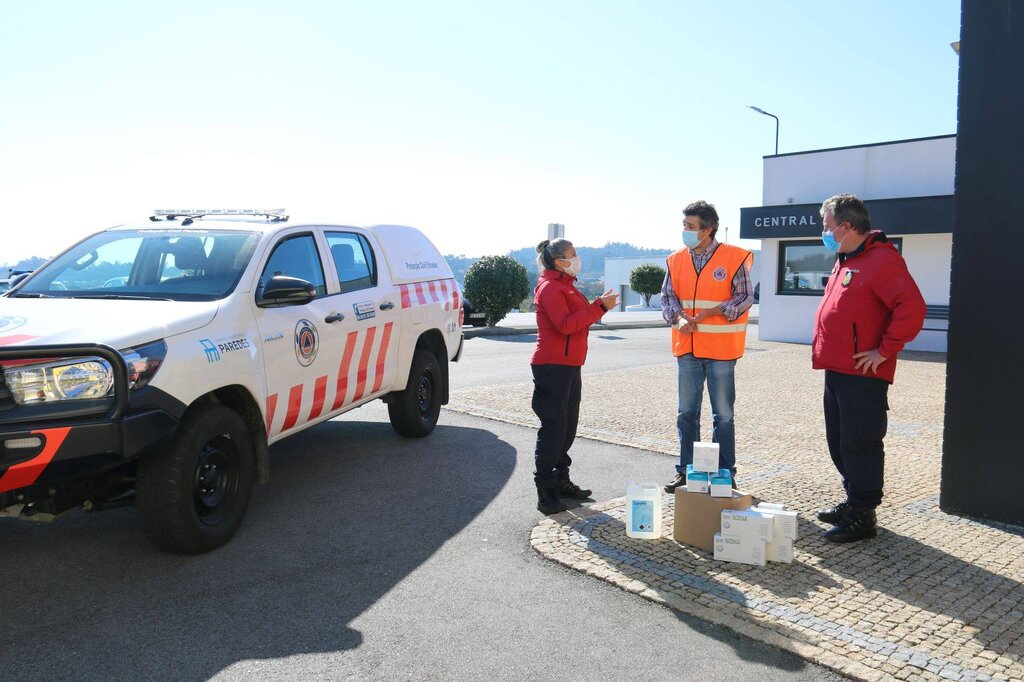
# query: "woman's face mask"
574,266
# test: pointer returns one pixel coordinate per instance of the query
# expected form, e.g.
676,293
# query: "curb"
474,332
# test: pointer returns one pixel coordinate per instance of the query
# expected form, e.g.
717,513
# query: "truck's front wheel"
415,410
192,496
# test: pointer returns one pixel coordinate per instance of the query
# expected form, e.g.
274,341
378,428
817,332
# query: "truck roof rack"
272,215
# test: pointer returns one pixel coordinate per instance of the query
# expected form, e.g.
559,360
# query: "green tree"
496,285
646,280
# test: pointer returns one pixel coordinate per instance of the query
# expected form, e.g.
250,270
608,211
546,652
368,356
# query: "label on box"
747,524
739,550
642,517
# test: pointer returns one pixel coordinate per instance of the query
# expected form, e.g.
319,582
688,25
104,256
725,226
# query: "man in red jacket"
870,310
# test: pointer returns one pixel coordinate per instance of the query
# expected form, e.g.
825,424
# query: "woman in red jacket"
564,316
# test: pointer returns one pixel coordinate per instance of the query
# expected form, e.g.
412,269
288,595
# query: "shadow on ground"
351,510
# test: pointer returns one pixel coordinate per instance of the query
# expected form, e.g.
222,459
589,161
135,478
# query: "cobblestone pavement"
933,597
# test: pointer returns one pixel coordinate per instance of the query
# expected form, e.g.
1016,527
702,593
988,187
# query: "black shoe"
572,491
834,514
856,524
548,502
678,482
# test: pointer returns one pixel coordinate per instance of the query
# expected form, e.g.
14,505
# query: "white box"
721,483
740,550
705,457
779,550
747,524
770,505
786,523
697,482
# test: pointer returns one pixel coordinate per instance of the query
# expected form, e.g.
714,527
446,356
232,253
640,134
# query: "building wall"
905,169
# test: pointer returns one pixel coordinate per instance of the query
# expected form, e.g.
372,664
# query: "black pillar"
983,445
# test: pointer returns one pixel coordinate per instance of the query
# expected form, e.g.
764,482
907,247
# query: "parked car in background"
471,316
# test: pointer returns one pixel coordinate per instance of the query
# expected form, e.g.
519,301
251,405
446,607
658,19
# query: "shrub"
495,285
646,280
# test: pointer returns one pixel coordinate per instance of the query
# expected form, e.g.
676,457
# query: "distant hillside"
25,264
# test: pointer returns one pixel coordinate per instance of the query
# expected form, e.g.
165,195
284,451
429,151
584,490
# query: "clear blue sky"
479,122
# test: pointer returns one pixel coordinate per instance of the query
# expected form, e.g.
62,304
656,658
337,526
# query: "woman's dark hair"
550,251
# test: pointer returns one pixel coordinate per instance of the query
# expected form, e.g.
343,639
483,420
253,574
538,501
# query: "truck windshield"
174,264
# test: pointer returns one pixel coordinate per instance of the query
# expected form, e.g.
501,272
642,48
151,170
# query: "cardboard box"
780,550
705,457
747,524
721,483
785,521
739,550
698,517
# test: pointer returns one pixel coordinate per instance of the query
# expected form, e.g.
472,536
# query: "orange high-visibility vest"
716,337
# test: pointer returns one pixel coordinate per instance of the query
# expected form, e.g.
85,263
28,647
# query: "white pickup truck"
153,365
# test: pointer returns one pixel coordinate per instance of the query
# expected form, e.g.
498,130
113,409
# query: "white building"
908,189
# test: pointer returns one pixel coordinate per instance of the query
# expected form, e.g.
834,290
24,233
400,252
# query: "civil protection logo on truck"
306,341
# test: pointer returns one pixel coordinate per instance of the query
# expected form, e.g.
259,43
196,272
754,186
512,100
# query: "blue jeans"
721,378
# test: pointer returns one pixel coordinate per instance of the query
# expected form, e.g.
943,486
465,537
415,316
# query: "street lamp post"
762,111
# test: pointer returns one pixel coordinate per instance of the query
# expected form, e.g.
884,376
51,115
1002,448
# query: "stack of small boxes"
704,476
753,536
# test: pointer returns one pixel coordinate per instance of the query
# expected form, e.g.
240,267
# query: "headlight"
81,378
62,380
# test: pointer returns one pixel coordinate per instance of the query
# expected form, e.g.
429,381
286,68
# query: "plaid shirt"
742,289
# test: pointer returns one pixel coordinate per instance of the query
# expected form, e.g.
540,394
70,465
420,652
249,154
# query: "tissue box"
705,457
785,521
697,481
739,550
780,550
721,483
747,524
699,517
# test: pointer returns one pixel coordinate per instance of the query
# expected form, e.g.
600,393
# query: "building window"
805,265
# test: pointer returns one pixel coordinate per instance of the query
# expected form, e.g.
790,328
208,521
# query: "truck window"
296,257
354,260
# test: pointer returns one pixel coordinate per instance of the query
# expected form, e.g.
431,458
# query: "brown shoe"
678,482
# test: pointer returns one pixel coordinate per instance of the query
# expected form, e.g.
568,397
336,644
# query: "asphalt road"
367,556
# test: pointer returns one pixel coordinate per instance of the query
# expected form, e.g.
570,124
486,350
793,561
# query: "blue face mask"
829,240
690,239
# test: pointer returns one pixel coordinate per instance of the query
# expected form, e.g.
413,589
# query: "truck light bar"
190,214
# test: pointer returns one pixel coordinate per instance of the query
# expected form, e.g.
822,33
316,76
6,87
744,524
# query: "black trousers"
855,424
556,401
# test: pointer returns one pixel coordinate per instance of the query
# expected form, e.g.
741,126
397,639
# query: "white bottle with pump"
643,510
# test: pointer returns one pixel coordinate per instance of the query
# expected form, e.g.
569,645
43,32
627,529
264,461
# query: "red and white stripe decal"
294,404
271,408
382,355
26,473
364,362
17,338
427,293
346,363
319,393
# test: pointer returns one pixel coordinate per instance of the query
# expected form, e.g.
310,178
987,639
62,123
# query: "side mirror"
282,290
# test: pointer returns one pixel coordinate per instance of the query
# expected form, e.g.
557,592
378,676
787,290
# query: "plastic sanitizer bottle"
643,510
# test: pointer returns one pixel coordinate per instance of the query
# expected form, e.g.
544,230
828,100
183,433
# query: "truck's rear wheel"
415,410
192,496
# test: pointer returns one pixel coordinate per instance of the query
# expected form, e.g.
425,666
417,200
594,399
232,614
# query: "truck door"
367,295
302,344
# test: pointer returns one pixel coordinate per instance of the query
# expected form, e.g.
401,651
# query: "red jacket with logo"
870,301
563,317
